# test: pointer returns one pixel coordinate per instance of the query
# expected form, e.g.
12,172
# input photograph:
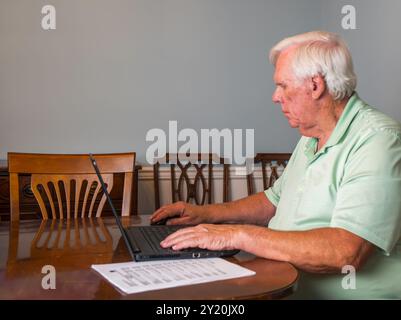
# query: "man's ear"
318,86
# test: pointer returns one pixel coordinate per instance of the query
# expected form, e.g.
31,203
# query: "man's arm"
324,250
256,209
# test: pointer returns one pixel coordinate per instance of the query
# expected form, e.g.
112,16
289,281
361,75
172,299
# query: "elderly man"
338,202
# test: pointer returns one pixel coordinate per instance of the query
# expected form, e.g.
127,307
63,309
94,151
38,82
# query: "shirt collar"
351,109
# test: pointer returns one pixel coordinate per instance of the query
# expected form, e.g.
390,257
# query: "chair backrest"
61,183
268,161
200,190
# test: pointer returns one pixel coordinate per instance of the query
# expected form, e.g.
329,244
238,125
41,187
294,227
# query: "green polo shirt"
353,183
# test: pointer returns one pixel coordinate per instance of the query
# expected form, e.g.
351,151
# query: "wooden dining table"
30,248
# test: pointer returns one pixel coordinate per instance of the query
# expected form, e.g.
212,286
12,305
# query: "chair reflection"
65,237
68,242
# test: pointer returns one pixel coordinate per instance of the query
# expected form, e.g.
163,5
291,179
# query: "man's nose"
276,97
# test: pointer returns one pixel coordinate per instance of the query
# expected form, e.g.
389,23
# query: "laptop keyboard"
147,241
155,234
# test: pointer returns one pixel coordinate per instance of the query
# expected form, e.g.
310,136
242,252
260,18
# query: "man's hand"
180,213
204,236
255,209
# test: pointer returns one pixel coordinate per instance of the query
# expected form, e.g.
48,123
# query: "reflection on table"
73,245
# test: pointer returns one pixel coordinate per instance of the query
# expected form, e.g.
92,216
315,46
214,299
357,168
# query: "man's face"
295,98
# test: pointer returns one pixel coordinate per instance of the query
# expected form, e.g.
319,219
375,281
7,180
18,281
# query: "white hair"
324,53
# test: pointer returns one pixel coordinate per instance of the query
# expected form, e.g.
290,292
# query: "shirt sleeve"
369,196
274,192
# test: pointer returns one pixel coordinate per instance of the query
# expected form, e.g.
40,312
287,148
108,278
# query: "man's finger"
178,233
179,236
181,220
181,242
188,243
164,213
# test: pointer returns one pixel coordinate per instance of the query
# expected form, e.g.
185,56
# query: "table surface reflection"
72,246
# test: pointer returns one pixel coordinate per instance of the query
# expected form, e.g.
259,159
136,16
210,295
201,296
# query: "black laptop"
143,242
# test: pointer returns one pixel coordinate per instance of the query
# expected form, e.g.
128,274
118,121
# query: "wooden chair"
62,182
268,160
200,190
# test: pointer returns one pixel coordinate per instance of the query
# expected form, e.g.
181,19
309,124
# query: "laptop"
143,242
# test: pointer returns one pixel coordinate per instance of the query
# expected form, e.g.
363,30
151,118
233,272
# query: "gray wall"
376,49
112,70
